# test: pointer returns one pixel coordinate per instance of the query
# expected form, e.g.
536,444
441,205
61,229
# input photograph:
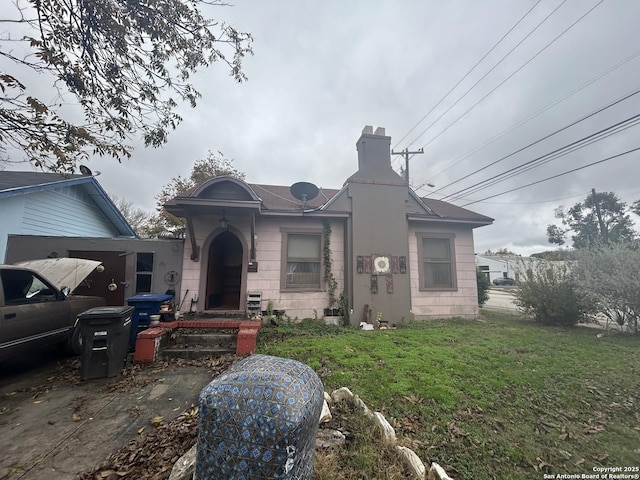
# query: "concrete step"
207,339
195,353
192,346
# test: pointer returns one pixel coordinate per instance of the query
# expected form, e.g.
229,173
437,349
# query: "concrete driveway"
52,425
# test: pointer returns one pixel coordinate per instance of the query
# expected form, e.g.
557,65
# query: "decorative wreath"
381,264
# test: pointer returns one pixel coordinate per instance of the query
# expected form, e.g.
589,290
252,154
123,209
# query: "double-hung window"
144,272
437,262
301,255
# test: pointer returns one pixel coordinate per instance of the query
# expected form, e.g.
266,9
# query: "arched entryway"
224,273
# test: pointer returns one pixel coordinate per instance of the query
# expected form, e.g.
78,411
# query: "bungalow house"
390,254
53,215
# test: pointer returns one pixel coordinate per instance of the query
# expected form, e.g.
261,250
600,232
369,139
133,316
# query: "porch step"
207,339
196,353
192,346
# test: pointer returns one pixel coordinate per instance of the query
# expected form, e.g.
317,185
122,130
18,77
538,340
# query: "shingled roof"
15,180
279,198
453,212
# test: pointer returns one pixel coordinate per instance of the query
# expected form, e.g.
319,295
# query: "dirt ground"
53,425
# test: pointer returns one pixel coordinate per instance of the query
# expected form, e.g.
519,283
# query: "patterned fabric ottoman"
259,420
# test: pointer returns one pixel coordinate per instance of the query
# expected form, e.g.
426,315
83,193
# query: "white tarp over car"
62,272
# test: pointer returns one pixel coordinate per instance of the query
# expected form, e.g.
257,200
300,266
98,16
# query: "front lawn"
497,398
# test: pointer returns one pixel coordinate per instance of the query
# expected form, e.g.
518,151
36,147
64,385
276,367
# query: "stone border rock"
411,459
183,469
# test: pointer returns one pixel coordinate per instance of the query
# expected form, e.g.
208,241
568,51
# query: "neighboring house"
53,215
34,203
395,255
500,266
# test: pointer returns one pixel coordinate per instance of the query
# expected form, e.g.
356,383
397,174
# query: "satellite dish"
304,191
84,170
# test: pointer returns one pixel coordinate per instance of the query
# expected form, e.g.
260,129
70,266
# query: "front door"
97,284
224,273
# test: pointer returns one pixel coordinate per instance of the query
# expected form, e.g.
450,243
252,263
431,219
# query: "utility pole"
406,154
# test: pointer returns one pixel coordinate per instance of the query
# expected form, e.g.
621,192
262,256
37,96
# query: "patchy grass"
502,398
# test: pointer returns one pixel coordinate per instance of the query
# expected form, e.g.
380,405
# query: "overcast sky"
322,70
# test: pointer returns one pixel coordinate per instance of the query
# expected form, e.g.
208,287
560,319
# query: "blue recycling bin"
145,304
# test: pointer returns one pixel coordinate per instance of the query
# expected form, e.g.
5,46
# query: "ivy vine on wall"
329,279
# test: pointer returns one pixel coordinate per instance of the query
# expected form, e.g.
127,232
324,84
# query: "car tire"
74,342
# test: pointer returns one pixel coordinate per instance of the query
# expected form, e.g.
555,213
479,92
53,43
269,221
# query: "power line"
468,73
554,152
544,159
487,73
514,73
555,176
555,156
555,102
541,201
572,124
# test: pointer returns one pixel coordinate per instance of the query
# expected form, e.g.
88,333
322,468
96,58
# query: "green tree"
483,287
610,276
600,218
214,164
117,67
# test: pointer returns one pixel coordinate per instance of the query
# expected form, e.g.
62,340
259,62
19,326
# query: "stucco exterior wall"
462,302
297,305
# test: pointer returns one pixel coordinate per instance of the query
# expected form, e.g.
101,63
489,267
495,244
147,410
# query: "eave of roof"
277,201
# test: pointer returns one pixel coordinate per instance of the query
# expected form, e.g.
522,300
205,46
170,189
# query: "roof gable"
224,188
25,183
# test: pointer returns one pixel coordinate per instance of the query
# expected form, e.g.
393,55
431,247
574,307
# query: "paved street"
501,298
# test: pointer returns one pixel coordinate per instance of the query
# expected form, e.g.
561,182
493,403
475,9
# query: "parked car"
37,308
504,281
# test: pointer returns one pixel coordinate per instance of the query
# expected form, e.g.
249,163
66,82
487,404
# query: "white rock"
184,468
341,394
436,472
414,463
363,407
325,415
327,398
388,433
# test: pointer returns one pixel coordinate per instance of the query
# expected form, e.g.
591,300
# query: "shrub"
483,287
550,296
610,276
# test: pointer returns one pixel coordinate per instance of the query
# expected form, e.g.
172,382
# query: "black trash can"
105,341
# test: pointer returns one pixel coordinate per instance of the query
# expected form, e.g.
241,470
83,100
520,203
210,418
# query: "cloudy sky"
471,82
